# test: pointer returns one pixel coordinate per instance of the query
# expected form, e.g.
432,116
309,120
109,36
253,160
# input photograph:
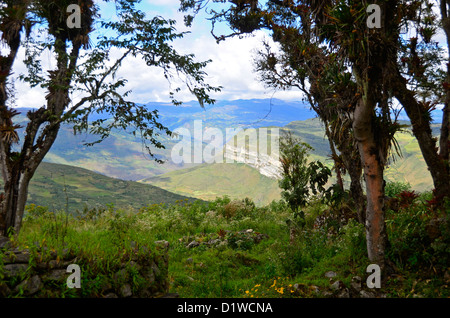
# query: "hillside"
123,156
209,181
246,177
86,188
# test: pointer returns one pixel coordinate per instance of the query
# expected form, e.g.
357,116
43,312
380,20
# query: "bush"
417,237
392,189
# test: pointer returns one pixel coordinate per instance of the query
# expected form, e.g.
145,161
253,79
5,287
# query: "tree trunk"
437,165
373,167
352,162
15,198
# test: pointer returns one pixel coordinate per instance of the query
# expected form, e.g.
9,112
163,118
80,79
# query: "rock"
20,257
345,293
337,285
356,283
4,242
171,295
125,291
327,294
214,242
315,289
249,231
193,244
121,275
366,294
14,269
330,274
57,275
150,277
110,295
156,269
30,286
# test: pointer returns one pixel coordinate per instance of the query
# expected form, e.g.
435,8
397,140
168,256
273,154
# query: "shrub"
417,237
393,188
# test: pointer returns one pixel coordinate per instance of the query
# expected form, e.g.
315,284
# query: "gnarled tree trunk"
373,167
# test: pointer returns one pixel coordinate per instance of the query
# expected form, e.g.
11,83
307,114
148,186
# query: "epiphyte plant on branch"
84,67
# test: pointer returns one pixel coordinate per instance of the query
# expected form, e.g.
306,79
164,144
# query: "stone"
150,277
125,291
193,244
337,285
20,257
330,274
315,289
356,283
366,294
214,242
110,295
171,295
30,286
57,275
14,269
156,269
4,242
121,275
345,293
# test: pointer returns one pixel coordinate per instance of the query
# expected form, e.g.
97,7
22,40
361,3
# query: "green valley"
59,186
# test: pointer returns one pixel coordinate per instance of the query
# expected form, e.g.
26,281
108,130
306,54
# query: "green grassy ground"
271,266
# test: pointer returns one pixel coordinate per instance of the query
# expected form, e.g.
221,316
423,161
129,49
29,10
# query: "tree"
299,178
331,94
83,67
420,84
370,55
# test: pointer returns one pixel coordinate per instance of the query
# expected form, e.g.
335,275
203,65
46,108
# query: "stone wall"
44,273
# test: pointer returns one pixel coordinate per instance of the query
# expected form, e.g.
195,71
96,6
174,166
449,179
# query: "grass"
270,267
209,181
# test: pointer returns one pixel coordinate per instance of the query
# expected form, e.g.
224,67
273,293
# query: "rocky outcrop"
43,273
265,164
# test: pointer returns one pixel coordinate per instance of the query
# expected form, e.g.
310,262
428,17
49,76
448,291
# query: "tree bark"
437,165
373,175
354,168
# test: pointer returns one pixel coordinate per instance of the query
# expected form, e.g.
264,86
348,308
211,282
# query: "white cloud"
231,66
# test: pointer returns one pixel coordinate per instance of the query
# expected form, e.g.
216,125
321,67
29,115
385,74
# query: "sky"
231,67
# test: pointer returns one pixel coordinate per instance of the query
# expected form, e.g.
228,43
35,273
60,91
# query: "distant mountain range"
123,156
